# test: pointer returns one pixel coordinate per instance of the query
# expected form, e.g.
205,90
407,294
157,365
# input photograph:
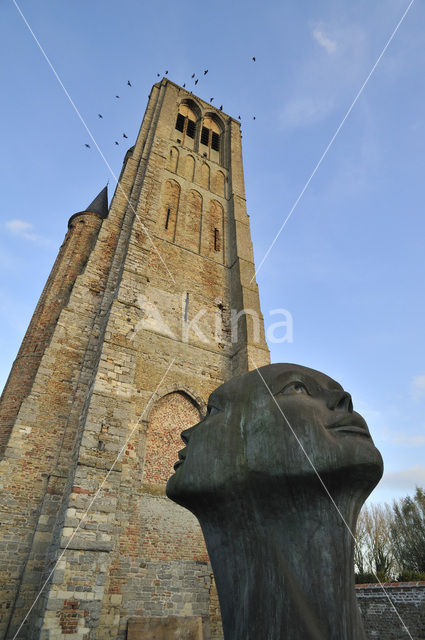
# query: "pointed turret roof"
100,203
98,206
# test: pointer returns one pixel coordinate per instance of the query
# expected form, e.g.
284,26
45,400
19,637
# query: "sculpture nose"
339,400
185,435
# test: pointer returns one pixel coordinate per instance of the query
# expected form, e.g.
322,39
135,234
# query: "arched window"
186,125
210,139
213,232
169,208
205,176
188,231
218,183
189,167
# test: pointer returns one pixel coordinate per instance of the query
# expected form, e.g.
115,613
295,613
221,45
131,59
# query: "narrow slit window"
186,308
216,240
167,219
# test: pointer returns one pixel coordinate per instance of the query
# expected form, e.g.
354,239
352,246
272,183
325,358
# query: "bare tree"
360,548
374,553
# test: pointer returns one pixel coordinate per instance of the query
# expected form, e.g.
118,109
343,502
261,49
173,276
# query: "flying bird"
211,99
117,142
196,81
99,115
157,75
253,118
193,75
124,136
87,145
117,96
253,58
129,83
166,72
205,72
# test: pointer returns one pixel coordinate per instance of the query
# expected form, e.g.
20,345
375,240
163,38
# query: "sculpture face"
257,438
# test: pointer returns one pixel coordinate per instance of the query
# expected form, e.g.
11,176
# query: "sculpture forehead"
272,375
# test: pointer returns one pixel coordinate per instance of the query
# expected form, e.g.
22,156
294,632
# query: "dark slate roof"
100,203
98,206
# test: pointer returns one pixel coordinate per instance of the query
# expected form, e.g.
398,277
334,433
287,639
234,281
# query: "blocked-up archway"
172,414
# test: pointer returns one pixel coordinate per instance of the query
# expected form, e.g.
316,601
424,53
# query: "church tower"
148,308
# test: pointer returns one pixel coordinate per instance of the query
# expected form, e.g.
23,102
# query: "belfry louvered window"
205,134
215,141
180,122
190,128
210,142
186,123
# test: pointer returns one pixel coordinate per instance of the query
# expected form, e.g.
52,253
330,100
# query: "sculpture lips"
351,423
182,457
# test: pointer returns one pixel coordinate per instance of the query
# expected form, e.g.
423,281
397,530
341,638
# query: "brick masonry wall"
39,462
70,262
381,621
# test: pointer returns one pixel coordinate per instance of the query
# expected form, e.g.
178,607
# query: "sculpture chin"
359,479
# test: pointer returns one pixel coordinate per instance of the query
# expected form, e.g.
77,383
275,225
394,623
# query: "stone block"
172,628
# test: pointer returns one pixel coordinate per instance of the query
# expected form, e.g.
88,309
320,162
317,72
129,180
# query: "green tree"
408,532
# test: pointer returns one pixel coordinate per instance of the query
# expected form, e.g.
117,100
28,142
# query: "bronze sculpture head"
276,473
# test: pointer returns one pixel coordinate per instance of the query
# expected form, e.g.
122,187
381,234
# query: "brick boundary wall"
381,621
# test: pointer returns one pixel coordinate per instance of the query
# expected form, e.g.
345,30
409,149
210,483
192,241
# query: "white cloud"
329,45
417,387
323,84
404,480
401,437
303,112
23,230
405,440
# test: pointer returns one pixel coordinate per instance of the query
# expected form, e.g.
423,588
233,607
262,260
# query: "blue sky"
349,264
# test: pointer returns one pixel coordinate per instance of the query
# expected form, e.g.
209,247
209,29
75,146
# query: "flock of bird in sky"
193,77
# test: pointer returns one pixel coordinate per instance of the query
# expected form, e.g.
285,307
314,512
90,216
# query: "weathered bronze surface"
276,474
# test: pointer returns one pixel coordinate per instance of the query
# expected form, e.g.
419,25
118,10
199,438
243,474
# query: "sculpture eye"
212,410
295,387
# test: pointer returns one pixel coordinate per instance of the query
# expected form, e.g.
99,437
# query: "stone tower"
148,308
